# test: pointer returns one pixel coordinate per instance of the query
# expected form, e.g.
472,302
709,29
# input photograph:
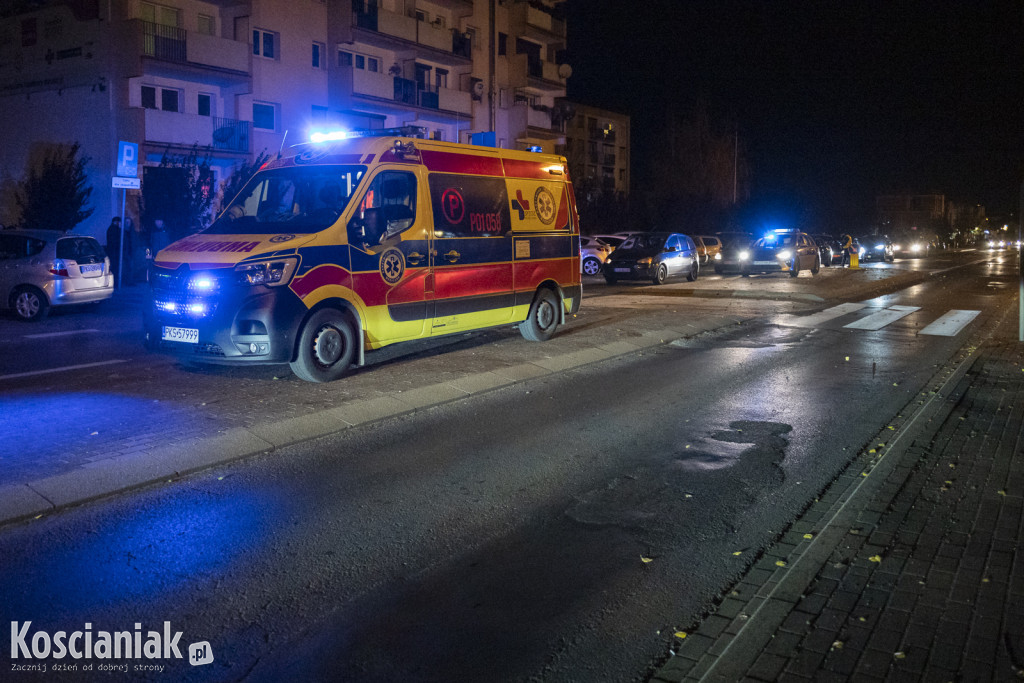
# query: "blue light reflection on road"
134,558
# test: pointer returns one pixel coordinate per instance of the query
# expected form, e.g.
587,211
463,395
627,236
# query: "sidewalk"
907,567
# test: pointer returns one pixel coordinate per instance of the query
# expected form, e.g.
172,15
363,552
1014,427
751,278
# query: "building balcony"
185,130
537,75
393,94
537,25
227,58
403,34
532,121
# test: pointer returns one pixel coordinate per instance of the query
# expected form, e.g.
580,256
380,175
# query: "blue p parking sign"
127,159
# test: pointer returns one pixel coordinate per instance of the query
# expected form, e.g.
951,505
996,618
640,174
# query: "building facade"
596,147
234,78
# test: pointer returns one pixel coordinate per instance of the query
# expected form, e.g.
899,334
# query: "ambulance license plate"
186,335
622,270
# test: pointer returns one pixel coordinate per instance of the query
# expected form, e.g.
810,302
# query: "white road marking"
951,323
62,369
877,321
826,315
46,335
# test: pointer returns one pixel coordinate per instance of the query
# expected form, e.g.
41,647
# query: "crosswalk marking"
877,321
950,324
828,314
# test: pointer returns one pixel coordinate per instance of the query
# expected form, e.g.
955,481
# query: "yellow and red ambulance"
355,243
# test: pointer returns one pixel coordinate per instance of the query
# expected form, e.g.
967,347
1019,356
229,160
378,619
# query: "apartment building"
238,77
900,213
596,147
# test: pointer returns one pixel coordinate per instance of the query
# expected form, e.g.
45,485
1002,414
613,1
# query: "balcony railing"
164,42
175,128
230,134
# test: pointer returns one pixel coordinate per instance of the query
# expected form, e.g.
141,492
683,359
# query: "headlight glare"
785,255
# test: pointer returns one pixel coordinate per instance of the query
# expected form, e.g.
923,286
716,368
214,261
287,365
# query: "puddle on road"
763,337
694,487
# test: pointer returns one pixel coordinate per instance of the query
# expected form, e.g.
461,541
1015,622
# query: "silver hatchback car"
44,268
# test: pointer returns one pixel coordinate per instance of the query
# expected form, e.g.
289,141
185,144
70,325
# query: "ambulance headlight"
272,273
785,255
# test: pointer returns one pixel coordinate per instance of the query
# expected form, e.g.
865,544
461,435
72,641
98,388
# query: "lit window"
207,25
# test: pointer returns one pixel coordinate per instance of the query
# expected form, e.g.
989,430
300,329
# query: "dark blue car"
653,256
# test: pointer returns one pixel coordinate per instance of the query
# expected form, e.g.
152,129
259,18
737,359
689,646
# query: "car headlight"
644,261
861,251
744,255
718,256
272,273
785,255
879,246
915,247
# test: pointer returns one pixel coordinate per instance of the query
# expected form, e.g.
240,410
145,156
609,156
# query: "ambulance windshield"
289,200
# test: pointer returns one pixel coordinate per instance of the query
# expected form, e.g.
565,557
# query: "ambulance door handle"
414,258
452,256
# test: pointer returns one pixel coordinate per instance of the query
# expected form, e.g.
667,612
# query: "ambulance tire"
543,318
660,274
326,347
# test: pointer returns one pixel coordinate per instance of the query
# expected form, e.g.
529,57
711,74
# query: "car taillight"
59,268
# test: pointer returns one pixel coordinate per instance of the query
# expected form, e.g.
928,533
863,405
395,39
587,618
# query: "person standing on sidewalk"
114,248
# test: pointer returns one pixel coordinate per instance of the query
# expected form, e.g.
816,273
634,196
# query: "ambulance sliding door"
471,252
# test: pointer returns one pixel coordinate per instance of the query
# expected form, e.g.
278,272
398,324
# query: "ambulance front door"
390,249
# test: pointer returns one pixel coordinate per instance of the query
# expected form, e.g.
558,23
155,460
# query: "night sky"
836,101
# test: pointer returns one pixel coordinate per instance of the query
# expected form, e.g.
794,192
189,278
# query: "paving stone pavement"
918,577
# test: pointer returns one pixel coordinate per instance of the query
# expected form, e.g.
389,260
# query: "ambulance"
356,242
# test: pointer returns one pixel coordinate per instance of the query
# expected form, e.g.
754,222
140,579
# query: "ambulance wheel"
591,266
694,272
543,318
660,274
326,347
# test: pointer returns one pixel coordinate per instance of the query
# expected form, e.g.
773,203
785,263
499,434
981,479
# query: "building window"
471,32
359,61
205,104
158,14
319,50
422,16
263,115
502,43
166,99
207,25
441,78
264,43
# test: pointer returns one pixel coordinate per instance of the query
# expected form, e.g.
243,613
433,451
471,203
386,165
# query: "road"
562,528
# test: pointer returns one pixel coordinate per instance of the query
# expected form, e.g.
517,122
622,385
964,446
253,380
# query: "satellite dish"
478,88
564,71
223,134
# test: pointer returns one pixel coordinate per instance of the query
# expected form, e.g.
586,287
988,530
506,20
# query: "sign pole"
120,244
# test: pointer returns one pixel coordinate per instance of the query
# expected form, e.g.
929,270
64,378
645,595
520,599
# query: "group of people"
128,261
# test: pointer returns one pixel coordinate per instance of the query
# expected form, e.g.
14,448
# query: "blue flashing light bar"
401,131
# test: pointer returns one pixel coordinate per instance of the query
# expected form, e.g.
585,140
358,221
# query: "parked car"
43,268
707,247
613,240
781,251
655,256
876,248
593,252
829,249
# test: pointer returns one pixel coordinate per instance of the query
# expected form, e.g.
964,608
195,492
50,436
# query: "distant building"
596,147
902,213
237,77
